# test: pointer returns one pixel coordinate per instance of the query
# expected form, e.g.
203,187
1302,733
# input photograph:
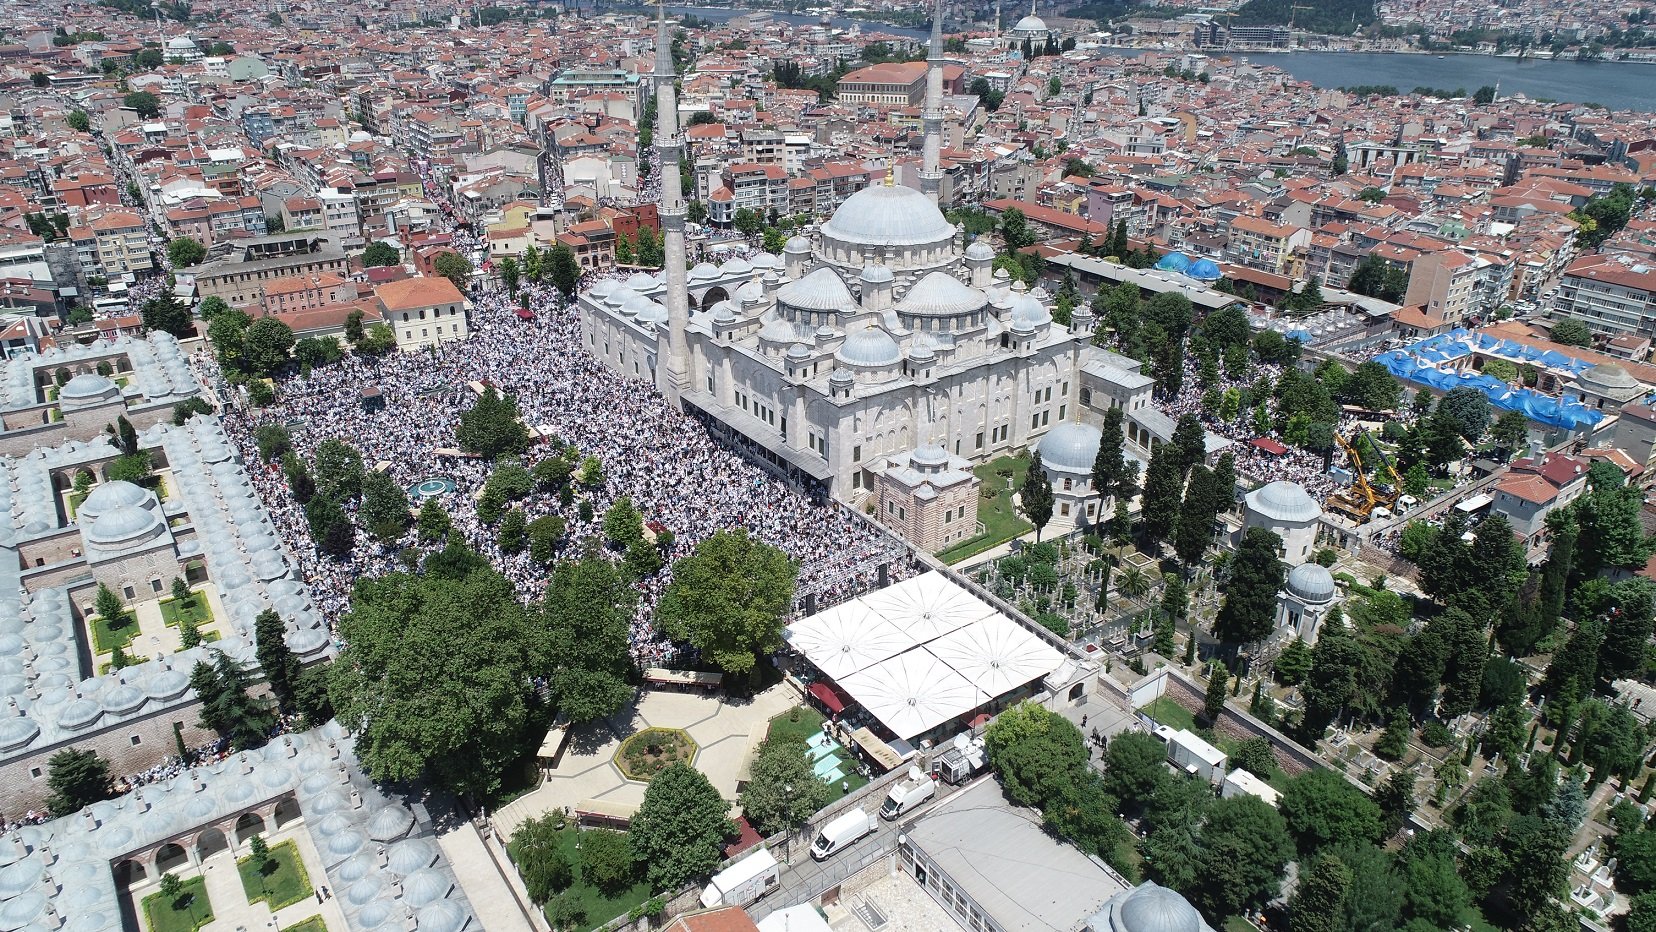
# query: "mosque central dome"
888,215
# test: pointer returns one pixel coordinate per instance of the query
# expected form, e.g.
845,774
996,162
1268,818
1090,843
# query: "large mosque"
881,340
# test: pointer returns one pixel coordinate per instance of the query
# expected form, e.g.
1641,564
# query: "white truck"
841,832
743,882
906,795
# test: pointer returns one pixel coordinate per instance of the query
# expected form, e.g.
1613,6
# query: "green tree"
728,598
433,523
1322,809
492,426
565,272
1015,231
539,858
1319,902
435,675
454,267
544,533
782,791
380,253
227,705
680,828
79,121
147,105
1035,495
1571,332
384,510
588,614
510,538
184,251
1256,576
267,345
77,779
1245,848
1214,702
339,470
748,222
281,668
1135,764
1163,490
608,861
623,525
165,312
1109,472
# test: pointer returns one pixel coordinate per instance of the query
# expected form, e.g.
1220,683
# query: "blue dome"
1173,262
1205,270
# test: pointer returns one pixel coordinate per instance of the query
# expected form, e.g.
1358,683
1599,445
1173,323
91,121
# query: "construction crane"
1359,500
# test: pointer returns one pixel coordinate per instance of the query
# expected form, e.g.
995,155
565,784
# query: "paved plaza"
724,730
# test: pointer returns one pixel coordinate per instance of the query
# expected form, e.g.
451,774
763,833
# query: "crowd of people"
664,461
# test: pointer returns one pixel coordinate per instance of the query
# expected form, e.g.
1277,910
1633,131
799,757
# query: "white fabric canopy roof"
913,692
846,638
927,606
996,654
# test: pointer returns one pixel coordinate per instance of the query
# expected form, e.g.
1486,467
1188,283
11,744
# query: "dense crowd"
664,461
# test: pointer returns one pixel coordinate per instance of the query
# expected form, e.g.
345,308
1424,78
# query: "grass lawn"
1001,521
188,913
196,607
646,753
75,499
598,906
809,723
1171,714
313,924
285,882
107,637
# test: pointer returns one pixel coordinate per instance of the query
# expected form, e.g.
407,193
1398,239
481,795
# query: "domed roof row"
158,370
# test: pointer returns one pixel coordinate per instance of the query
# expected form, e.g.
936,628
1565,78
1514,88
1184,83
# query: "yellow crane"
1359,500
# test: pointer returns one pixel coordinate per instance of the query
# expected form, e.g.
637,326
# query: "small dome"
735,267
929,454
441,916
635,304
109,496
980,251
874,274
601,287
16,731
797,244
704,270
1283,501
124,526
1312,583
1608,376
653,313
619,295
1205,270
941,294
425,886
1173,262
821,290
870,347
640,281
365,891
1154,908
1070,447
1029,313
87,385
389,821
406,857
888,215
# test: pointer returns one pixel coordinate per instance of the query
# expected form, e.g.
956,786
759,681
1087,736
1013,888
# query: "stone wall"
19,442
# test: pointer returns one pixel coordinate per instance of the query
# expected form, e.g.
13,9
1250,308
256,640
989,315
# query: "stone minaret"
931,167
673,365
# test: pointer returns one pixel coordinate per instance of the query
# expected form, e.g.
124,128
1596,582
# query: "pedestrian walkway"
497,904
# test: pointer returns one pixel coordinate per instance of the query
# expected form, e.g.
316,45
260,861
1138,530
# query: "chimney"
356,799
19,846
380,856
90,820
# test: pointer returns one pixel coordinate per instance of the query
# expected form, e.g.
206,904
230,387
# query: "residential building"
424,311
1609,293
238,271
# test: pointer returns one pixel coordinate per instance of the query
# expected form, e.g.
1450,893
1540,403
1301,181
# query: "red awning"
524,313
1269,446
828,696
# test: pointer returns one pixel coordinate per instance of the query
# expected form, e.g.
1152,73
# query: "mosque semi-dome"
109,496
888,215
124,526
941,294
821,290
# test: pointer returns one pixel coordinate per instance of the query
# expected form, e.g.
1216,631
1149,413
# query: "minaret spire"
673,365
931,165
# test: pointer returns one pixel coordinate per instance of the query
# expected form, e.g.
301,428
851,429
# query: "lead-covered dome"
870,346
888,215
1311,583
1283,501
1154,908
110,496
1070,447
822,290
123,527
941,294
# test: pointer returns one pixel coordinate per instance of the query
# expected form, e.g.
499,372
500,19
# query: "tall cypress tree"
1163,488
1256,577
1195,527
1036,494
1110,467
281,668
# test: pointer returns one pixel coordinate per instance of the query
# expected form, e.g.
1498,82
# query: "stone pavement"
491,893
724,731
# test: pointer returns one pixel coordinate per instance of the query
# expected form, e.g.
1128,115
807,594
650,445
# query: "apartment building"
751,186
894,83
113,245
1444,283
305,293
1610,293
1262,244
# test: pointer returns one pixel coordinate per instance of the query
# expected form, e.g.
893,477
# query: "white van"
842,832
906,795
743,882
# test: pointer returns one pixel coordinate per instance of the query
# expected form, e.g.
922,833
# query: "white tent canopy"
913,692
996,654
847,638
927,606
